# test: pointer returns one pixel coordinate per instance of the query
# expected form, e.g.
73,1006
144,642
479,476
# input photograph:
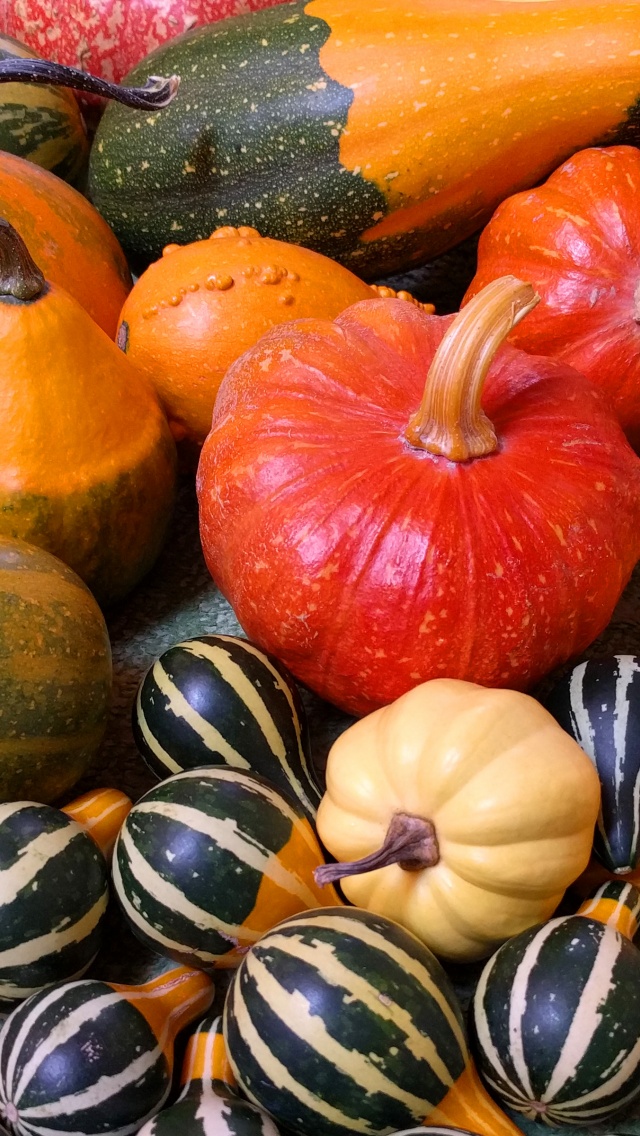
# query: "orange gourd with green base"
67,237
87,461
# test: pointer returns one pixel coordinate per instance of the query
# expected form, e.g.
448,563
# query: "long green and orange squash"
381,135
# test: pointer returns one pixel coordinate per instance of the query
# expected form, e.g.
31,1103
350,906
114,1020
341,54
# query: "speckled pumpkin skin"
42,124
66,237
380,135
192,313
87,461
55,675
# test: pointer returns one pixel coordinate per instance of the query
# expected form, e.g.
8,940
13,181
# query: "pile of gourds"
418,516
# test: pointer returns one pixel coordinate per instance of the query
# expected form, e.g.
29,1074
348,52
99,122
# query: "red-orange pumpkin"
372,542
577,239
67,237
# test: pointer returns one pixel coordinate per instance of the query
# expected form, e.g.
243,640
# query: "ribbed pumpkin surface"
80,1059
557,1022
55,674
219,700
53,896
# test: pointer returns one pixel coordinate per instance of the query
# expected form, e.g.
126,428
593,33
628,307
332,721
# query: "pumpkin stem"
20,276
410,842
156,93
450,421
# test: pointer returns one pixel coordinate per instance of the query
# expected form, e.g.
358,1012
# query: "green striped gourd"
341,1021
209,1104
428,1130
55,674
53,897
556,1014
218,699
598,703
41,123
209,860
95,1057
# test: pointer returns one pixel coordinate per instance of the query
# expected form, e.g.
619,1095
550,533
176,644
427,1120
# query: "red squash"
108,37
371,545
577,239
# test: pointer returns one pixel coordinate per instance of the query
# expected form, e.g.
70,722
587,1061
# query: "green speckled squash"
41,123
55,674
376,134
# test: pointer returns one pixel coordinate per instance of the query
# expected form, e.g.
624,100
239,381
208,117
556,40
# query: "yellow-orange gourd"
485,806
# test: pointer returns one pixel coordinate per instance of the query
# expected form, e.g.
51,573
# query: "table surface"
178,600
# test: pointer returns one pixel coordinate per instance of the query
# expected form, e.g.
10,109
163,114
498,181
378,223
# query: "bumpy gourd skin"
87,461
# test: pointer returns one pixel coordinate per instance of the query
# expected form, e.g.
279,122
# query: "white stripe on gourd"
28,1024
169,945
33,857
172,897
108,1085
280,1075
484,1035
322,957
518,1007
229,838
208,733
53,941
586,1017
232,673
294,1009
153,743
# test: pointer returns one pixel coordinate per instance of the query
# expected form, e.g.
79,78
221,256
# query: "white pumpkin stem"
451,422
410,842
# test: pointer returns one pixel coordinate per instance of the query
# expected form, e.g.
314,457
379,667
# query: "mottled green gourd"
209,1104
55,674
41,123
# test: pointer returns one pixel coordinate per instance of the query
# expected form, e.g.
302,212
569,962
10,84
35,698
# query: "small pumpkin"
341,1021
93,1056
67,237
55,674
41,123
194,311
576,238
556,1016
209,860
87,461
440,805
372,542
219,700
598,704
209,1104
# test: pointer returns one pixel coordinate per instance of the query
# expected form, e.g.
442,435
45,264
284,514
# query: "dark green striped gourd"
53,898
209,860
598,703
208,1104
218,699
92,1058
556,1015
341,1021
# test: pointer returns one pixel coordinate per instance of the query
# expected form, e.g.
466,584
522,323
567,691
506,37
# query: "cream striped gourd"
53,898
340,1021
209,1104
556,1014
218,699
93,1057
209,860
598,703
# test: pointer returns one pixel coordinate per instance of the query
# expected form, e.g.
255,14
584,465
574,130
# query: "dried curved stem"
156,93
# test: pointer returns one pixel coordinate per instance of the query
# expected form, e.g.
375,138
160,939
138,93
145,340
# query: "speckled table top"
178,600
